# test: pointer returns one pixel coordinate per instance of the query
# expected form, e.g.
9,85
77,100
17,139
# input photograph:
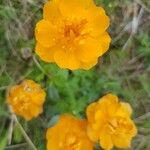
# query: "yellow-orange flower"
72,33
109,122
68,134
26,99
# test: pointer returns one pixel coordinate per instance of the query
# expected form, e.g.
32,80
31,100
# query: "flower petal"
46,54
92,134
86,145
35,112
51,11
124,110
52,144
121,141
74,8
89,65
106,141
105,42
90,111
98,21
65,59
109,103
44,33
88,50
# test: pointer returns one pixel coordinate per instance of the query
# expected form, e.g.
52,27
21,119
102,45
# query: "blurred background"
124,70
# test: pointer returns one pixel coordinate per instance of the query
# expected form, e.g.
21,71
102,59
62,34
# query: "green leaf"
17,135
53,121
3,142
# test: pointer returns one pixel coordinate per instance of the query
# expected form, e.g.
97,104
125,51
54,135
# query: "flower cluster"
72,33
108,122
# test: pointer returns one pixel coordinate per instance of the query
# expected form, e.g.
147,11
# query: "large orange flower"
72,33
68,134
109,122
26,99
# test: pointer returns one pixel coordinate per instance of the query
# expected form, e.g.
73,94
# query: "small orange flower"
72,33
26,99
109,122
68,134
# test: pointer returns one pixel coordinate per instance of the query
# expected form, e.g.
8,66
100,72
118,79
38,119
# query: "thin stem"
40,67
28,140
24,134
143,117
16,146
10,130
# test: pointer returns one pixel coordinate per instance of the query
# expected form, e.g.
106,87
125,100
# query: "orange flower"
109,122
68,134
72,33
26,99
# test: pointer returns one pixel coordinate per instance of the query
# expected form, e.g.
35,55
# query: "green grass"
124,70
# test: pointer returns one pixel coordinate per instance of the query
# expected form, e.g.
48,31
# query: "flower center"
117,125
72,33
71,142
112,125
73,29
21,102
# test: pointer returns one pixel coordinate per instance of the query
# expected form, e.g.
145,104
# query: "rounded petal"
105,40
89,65
124,134
124,110
134,130
127,108
44,33
98,21
36,111
74,8
121,141
46,54
92,134
27,115
86,145
51,11
109,103
66,59
99,116
88,50
90,111
109,99
52,144
106,141
39,99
